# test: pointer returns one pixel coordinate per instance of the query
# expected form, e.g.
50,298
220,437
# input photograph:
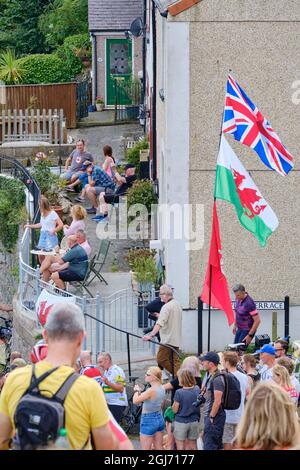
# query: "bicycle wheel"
127,422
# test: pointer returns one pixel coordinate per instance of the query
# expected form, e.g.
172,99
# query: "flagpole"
209,308
210,269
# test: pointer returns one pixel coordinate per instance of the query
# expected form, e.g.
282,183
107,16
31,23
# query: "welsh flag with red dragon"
234,184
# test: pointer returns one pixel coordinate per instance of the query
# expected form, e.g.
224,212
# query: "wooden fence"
46,126
57,95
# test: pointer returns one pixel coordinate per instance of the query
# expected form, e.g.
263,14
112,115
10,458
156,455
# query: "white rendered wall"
174,185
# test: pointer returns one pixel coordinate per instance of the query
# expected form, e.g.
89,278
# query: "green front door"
118,67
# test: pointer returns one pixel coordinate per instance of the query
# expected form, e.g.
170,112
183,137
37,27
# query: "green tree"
19,25
63,18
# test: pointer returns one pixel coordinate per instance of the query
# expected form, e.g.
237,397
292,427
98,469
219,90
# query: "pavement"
97,137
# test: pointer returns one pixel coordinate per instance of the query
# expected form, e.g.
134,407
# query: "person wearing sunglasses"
281,348
152,421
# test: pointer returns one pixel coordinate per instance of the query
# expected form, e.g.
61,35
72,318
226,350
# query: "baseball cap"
129,165
85,165
211,357
267,348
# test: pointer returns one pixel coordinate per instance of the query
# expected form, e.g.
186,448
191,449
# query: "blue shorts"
152,423
47,239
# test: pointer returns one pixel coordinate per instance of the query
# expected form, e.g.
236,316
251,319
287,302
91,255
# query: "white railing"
122,309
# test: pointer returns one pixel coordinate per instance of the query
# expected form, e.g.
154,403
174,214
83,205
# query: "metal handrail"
140,337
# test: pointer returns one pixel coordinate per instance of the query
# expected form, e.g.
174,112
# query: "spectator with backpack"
220,391
38,401
233,417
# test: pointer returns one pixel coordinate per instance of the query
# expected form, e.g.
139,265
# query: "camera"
237,347
200,400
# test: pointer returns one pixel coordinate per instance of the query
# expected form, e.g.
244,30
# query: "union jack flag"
249,126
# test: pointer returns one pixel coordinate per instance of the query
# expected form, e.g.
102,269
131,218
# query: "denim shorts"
152,423
47,238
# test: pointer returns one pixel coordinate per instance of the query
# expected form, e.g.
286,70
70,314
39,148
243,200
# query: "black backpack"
232,394
38,418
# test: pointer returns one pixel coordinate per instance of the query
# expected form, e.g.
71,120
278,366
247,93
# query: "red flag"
219,289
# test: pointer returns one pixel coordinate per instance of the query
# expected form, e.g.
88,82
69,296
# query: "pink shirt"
75,225
87,248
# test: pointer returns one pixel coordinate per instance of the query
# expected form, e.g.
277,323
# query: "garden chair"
85,282
99,260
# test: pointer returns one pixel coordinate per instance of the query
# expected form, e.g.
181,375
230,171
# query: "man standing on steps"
247,318
169,326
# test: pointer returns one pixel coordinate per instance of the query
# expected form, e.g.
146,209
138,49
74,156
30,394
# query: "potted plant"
99,103
50,185
143,269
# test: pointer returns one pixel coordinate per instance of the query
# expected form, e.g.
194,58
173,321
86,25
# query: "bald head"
85,358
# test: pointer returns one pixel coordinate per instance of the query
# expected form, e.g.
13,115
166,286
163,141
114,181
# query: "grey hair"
239,288
83,232
105,355
168,290
65,321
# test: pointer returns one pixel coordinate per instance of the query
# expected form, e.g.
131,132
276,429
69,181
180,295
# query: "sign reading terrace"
260,305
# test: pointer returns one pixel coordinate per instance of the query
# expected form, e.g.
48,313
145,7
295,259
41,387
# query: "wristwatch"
251,336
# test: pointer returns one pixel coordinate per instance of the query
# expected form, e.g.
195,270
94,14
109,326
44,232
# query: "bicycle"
132,413
5,344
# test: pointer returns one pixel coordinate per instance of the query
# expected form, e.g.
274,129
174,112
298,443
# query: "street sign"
260,305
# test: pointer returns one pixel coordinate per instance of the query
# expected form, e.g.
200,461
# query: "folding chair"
85,282
98,263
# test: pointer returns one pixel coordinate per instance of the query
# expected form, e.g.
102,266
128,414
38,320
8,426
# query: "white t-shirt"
48,223
266,373
115,375
234,416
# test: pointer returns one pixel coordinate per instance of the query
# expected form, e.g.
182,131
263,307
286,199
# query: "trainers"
79,199
103,219
99,217
91,210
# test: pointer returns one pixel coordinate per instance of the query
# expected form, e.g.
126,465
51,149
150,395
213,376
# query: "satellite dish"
137,27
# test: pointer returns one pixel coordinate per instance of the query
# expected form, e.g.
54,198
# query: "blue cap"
267,348
211,357
85,165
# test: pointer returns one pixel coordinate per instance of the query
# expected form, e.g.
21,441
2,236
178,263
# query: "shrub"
142,192
141,261
79,42
75,48
45,68
133,155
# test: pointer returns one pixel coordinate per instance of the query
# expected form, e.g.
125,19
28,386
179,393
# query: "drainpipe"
153,110
95,77
144,55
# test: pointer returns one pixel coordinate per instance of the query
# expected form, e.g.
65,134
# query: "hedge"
45,68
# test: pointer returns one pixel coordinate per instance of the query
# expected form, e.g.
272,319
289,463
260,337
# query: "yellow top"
85,405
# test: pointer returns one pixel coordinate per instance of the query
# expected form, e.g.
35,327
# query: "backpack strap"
65,387
33,387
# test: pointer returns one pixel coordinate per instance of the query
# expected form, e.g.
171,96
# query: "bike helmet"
39,352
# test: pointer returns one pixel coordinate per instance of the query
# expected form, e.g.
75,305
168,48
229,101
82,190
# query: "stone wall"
8,276
24,330
23,153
